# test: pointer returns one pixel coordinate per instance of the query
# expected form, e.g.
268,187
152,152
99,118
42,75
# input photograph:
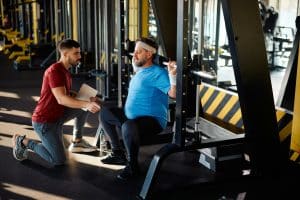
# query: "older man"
146,107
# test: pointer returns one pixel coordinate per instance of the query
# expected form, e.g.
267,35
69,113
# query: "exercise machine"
260,140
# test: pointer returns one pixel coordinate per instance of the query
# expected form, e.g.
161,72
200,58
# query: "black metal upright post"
286,94
63,18
90,29
181,101
29,20
182,60
217,36
82,24
247,46
52,20
108,35
121,53
97,35
22,21
191,23
166,25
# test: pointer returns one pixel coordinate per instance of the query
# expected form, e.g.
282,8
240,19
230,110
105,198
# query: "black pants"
132,131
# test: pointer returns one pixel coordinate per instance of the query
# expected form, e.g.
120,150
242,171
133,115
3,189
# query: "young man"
146,107
56,106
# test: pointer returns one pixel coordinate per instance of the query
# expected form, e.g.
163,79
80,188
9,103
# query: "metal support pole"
35,18
191,23
121,54
83,23
51,13
286,94
181,101
143,18
96,24
88,26
247,47
2,11
23,28
107,45
216,57
63,20
200,26
56,23
75,20
182,60
166,26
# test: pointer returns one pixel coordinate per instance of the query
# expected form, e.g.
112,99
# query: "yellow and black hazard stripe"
284,122
224,105
295,156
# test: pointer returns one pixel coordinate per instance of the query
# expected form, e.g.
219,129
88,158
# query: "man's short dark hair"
150,41
67,44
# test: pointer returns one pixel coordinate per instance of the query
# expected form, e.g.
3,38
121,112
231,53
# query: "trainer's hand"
96,99
93,107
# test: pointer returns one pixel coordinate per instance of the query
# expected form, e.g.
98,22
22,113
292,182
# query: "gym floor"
85,177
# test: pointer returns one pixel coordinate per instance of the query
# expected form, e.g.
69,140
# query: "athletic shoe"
129,172
19,150
115,159
81,146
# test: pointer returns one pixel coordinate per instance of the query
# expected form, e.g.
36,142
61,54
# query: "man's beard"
140,63
74,63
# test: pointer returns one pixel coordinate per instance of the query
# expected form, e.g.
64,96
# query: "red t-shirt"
48,109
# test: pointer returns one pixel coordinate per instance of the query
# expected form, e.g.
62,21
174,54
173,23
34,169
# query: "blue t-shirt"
148,94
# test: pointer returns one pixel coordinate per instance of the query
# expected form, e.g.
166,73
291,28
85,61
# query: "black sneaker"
129,172
115,159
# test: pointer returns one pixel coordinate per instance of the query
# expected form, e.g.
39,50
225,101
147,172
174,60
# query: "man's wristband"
172,79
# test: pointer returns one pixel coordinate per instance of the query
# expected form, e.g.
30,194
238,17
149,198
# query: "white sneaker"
81,146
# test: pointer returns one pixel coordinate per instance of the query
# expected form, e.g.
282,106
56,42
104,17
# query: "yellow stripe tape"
295,139
206,96
286,131
215,103
236,117
227,107
279,115
294,156
283,134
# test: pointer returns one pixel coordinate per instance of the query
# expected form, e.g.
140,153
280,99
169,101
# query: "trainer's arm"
68,101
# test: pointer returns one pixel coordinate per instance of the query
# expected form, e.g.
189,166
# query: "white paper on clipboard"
86,92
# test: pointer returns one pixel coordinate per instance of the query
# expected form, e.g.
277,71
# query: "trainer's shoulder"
54,68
